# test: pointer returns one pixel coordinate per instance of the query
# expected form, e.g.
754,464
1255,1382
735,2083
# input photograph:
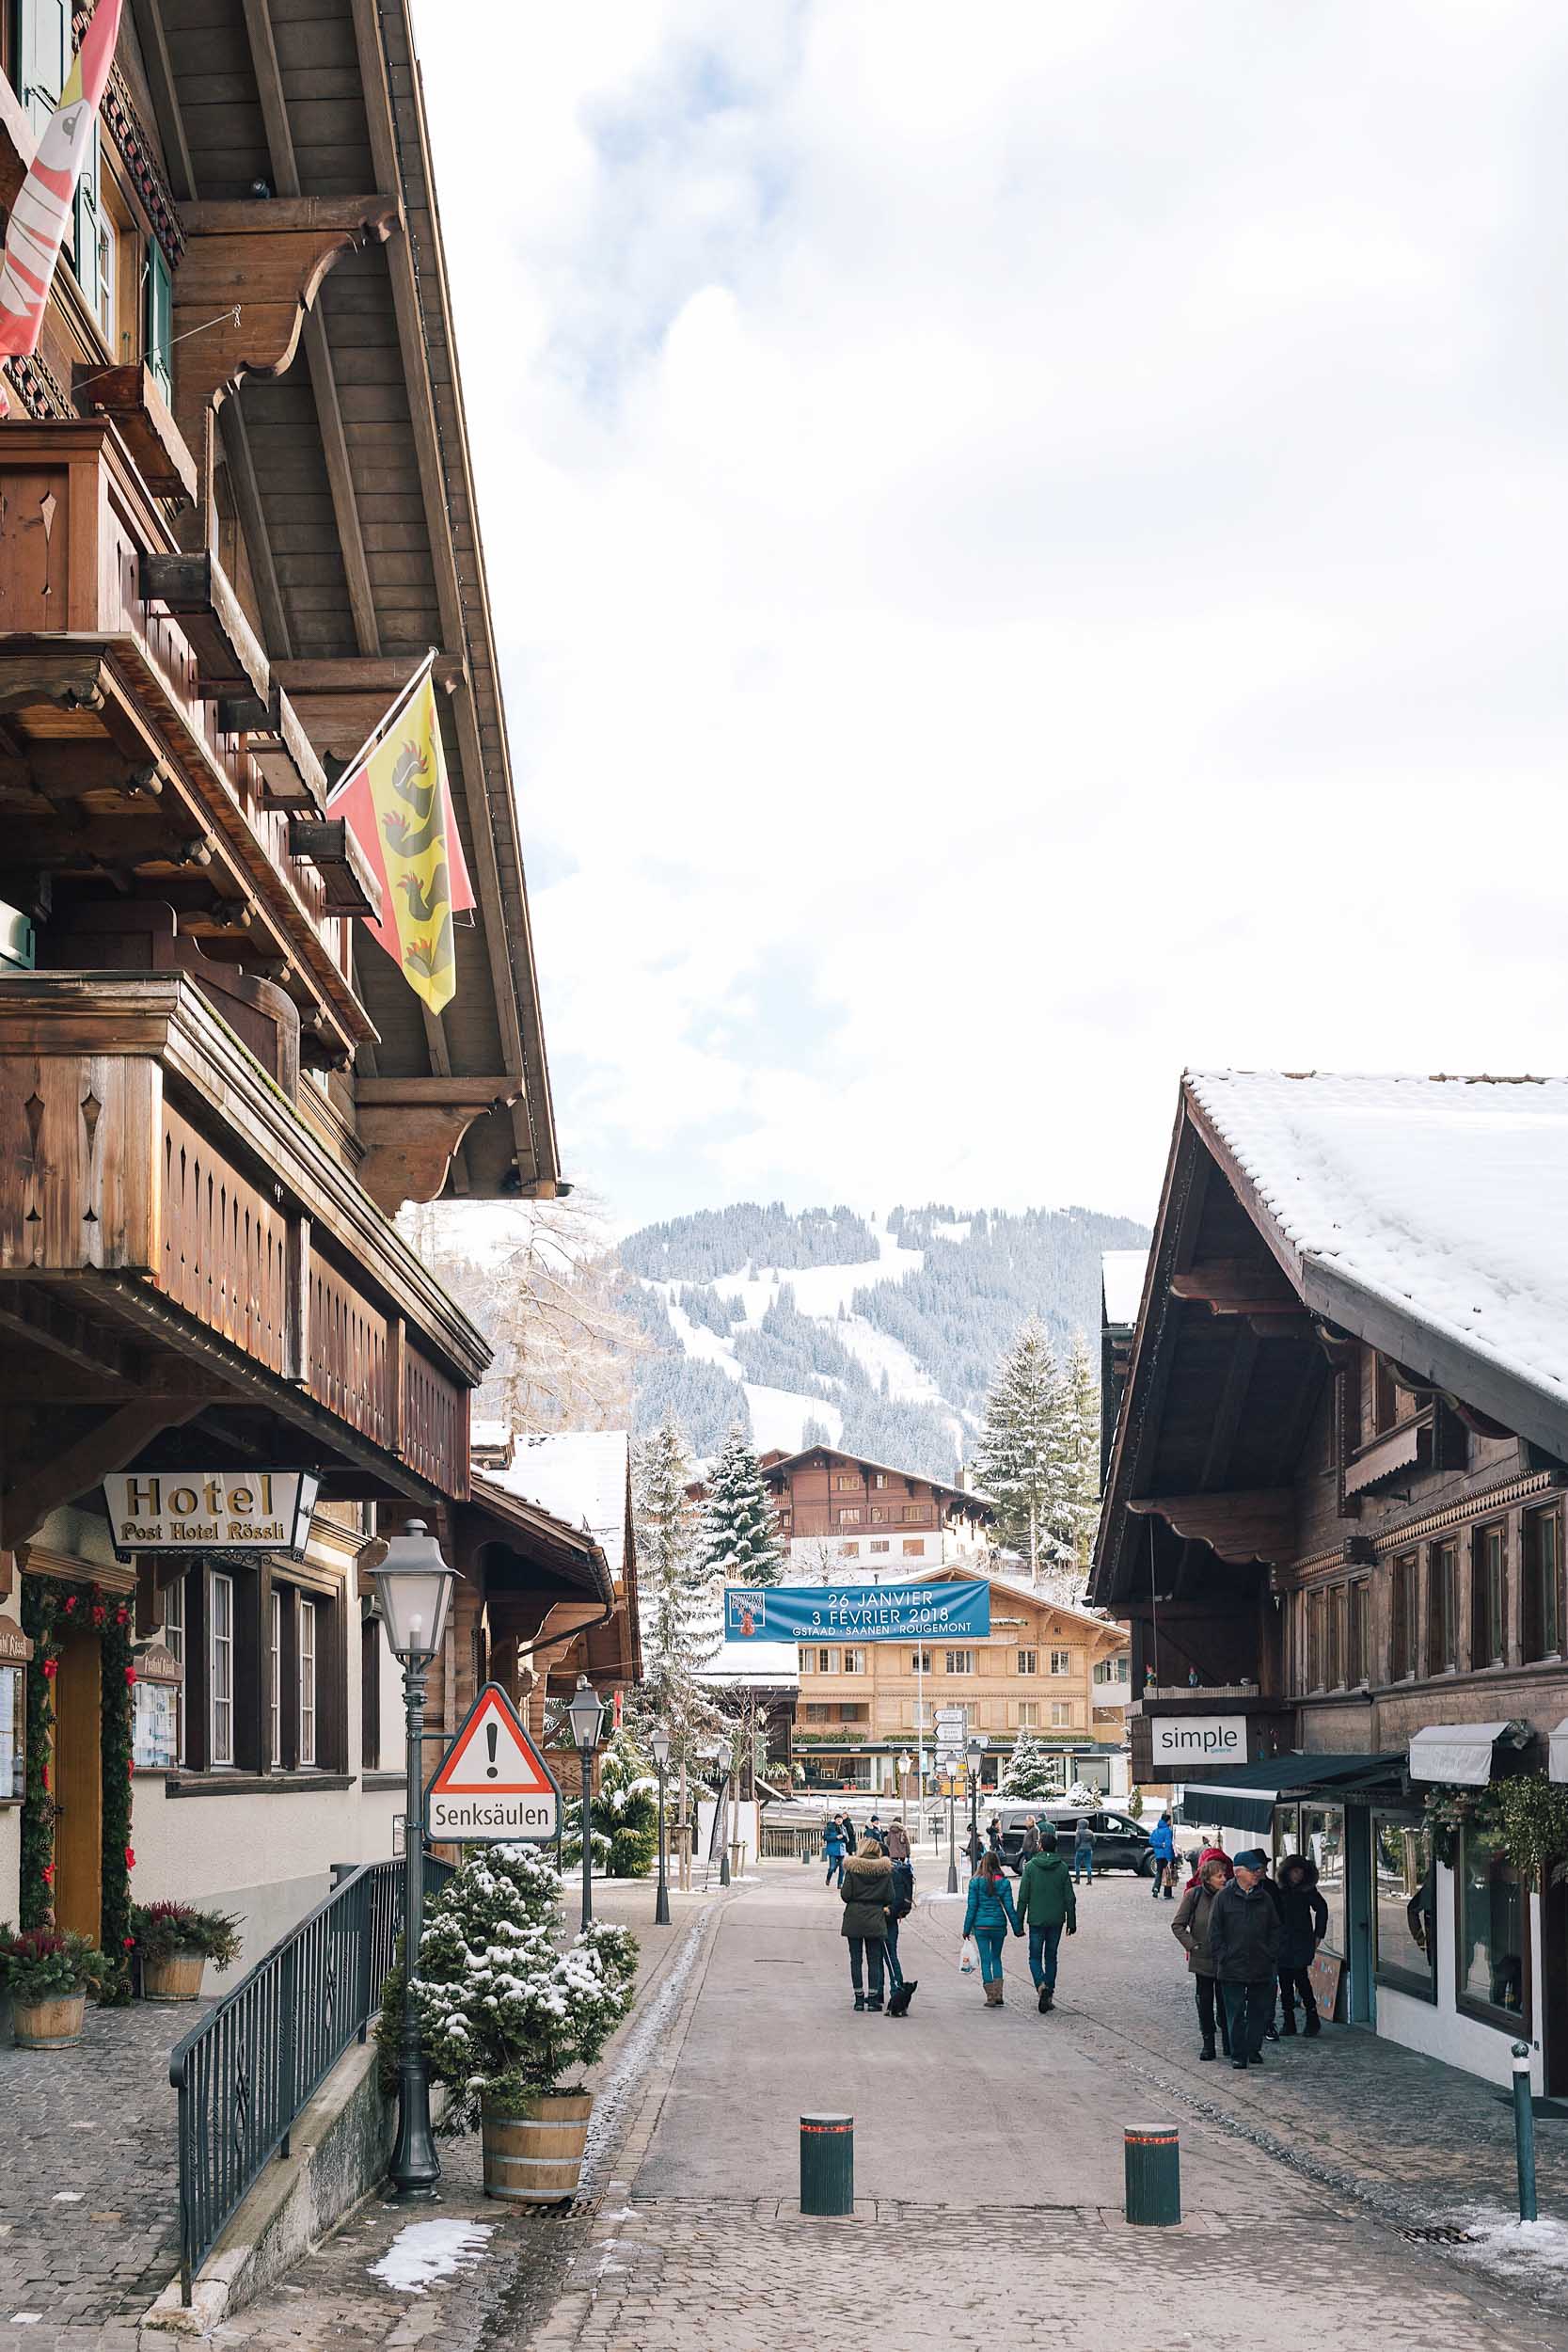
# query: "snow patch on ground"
960,1231
821,1290
779,1416
880,1352
426,2250
1511,2248
695,1338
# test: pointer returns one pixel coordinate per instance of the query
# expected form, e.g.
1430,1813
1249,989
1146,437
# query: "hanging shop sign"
15,1647
16,1652
493,1787
241,1510
1177,1741
857,1613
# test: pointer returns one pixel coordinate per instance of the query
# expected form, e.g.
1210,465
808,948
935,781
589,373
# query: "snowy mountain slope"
889,1346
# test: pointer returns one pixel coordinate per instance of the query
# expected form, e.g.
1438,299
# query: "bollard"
828,2164
1524,2132
1153,2176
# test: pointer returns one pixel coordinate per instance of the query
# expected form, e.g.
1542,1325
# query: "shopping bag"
967,1960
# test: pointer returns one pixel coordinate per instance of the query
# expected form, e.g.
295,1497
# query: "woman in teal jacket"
988,1916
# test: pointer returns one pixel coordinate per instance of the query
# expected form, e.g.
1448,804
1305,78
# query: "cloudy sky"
1028,548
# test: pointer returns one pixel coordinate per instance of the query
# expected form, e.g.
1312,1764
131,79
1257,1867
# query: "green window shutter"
42,55
84,252
159,319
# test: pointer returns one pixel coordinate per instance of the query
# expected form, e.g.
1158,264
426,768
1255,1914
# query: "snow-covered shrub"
504,2009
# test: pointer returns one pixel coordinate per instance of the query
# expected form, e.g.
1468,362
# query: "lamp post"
976,1753
414,1587
659,1743
904,1763
585,1713
730,1759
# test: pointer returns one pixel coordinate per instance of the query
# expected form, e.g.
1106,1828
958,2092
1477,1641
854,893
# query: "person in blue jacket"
988,1916
832,1846
1162,1843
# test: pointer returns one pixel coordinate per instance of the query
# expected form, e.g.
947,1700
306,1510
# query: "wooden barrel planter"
176,1979
533,2151
49,2024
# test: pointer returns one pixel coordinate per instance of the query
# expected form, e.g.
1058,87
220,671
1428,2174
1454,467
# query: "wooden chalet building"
1335,1502
836,1509
238,509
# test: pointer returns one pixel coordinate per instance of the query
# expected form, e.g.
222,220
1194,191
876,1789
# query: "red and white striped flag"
43,208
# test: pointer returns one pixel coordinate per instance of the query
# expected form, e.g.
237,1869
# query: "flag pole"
386,719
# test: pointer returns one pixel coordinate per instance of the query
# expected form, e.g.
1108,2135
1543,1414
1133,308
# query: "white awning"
1556,1768
1456,1752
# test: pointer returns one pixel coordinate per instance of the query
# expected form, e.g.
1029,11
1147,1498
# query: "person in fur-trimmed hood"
866,1890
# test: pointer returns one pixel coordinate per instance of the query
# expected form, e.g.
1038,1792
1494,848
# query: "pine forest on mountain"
718,1318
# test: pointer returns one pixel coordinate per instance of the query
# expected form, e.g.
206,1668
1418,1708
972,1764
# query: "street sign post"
493,1787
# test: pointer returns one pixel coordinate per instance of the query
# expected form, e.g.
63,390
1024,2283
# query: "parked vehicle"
1120,1842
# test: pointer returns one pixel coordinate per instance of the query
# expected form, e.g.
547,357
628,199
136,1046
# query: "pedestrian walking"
874,1829
898,1843
1302,1924
1161,1845
1083,1850
1209,1854
1190,1928
902,1903
988,1916
866,1891
833,1848
994,1834
973,1848
1046,1904
1031,1844
1245,1945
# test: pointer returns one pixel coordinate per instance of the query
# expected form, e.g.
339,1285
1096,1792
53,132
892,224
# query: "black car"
1120,1842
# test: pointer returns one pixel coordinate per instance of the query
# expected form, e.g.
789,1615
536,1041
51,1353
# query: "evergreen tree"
679,1615
1019,1455
1079,1450
1032,1772
625,1809
740,1533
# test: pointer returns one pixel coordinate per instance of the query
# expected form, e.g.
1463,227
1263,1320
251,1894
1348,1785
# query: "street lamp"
659,1743
976,1753
730,1758
904,1763
585,1713
414,1589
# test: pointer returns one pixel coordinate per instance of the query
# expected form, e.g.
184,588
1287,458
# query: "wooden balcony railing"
154,1170
129,665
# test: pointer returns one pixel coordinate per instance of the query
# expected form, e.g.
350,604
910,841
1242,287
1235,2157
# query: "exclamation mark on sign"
490,1772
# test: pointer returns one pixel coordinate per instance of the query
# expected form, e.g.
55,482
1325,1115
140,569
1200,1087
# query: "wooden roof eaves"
1496,1390
983,1503
466,619
1154,1336
538,1529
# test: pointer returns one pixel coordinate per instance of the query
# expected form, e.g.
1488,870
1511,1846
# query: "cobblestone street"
989,2167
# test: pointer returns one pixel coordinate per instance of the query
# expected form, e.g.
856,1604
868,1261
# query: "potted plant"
175,1942
509,2014
48,1975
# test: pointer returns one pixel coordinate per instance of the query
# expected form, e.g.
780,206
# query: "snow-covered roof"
753,1662
490,1437
578,1476
892,1470
1444,1199
1122,1271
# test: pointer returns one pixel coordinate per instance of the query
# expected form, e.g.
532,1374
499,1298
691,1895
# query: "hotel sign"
1181,1741
243,1510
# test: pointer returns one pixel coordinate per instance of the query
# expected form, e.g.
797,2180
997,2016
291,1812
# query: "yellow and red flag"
397,803
43,208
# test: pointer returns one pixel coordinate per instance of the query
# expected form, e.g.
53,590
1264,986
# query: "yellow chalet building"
1054,1672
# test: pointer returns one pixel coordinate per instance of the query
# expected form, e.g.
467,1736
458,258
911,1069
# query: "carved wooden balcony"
121,661
163,1195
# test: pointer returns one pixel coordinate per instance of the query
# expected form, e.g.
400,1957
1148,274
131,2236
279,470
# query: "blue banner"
858,1613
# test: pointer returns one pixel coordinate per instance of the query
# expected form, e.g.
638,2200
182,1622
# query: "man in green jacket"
1046,1903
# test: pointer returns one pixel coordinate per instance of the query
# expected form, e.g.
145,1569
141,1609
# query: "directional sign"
493,1787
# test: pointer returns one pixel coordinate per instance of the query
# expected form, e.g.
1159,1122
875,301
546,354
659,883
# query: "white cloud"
1025,555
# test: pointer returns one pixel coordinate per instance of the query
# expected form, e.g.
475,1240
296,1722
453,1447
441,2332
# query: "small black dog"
899,2004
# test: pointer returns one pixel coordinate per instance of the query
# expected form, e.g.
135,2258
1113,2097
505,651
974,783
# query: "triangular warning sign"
493,1756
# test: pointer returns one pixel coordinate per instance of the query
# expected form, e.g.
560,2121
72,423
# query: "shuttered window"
160,320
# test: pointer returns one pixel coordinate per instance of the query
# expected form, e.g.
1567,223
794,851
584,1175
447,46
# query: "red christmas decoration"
98,1616
129,1675
130,1858
49,1874
51,1667
130,1943
69,1604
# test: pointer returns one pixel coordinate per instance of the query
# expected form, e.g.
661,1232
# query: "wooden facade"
836,1506
1346,1526
236,512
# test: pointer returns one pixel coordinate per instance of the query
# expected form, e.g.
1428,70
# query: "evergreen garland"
49,1609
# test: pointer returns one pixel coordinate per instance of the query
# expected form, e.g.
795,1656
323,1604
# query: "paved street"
989,2175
